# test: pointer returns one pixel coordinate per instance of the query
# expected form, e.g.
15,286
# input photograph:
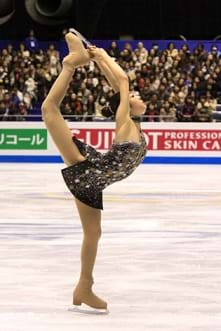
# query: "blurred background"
112,19
169,49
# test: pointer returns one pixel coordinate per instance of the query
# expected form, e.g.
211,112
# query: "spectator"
90,108
52,52
2,110
67,111
24,52
168,112
171,50
3,73
203,110
30,86
141,53
99,104
6,57
22,111
152,112
186,111
113,50
31,42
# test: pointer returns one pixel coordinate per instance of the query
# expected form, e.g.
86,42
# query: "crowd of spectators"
176,84
26,75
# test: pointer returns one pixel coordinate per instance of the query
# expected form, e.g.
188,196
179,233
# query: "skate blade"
83,39
84,309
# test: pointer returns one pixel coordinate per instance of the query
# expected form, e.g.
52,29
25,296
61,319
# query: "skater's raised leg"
52,117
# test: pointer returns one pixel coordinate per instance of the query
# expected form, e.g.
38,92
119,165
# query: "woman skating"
88,171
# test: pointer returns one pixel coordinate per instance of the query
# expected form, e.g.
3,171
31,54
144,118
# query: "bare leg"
90,217
91,223
52,117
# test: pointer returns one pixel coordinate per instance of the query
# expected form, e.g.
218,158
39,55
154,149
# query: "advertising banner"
166,142
158,140
23,139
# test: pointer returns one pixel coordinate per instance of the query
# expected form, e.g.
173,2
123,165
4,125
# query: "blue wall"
147,160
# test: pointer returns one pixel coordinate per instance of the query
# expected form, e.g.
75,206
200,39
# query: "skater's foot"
78,55
83,294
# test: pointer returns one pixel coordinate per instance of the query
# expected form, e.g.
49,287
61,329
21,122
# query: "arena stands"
177,84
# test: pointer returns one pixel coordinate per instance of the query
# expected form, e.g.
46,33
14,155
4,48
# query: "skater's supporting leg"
91,223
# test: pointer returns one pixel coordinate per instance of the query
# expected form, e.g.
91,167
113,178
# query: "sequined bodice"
118,163
87,179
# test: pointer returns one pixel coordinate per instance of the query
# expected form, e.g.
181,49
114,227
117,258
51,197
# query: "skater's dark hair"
110,110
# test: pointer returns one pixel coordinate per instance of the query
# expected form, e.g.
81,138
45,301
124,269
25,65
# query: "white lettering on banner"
192,135
2,138
188,140
155,136
99,139
192,145
106,139
14,139
77,132
90,141
180,145
37,140
209,145
24,139
157,140
112,136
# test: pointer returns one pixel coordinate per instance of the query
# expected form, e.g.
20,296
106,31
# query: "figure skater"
88,171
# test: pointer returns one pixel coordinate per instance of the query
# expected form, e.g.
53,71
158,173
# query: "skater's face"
138,107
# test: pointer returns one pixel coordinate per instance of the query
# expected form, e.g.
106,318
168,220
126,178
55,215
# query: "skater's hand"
95,53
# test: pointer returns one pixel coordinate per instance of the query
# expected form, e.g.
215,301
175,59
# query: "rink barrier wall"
147,160
167,143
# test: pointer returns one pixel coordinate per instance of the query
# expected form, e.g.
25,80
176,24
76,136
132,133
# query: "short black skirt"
81,180
87,180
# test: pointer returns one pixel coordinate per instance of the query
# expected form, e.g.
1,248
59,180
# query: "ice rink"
158,265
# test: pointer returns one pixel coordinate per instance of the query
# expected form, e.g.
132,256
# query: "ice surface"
158,264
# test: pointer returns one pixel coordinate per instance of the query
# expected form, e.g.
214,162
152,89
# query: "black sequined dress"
86,180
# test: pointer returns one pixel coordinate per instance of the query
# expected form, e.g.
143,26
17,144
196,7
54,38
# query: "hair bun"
114,102
106,112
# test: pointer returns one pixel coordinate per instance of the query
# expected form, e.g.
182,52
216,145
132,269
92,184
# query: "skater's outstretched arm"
123,112
106,70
